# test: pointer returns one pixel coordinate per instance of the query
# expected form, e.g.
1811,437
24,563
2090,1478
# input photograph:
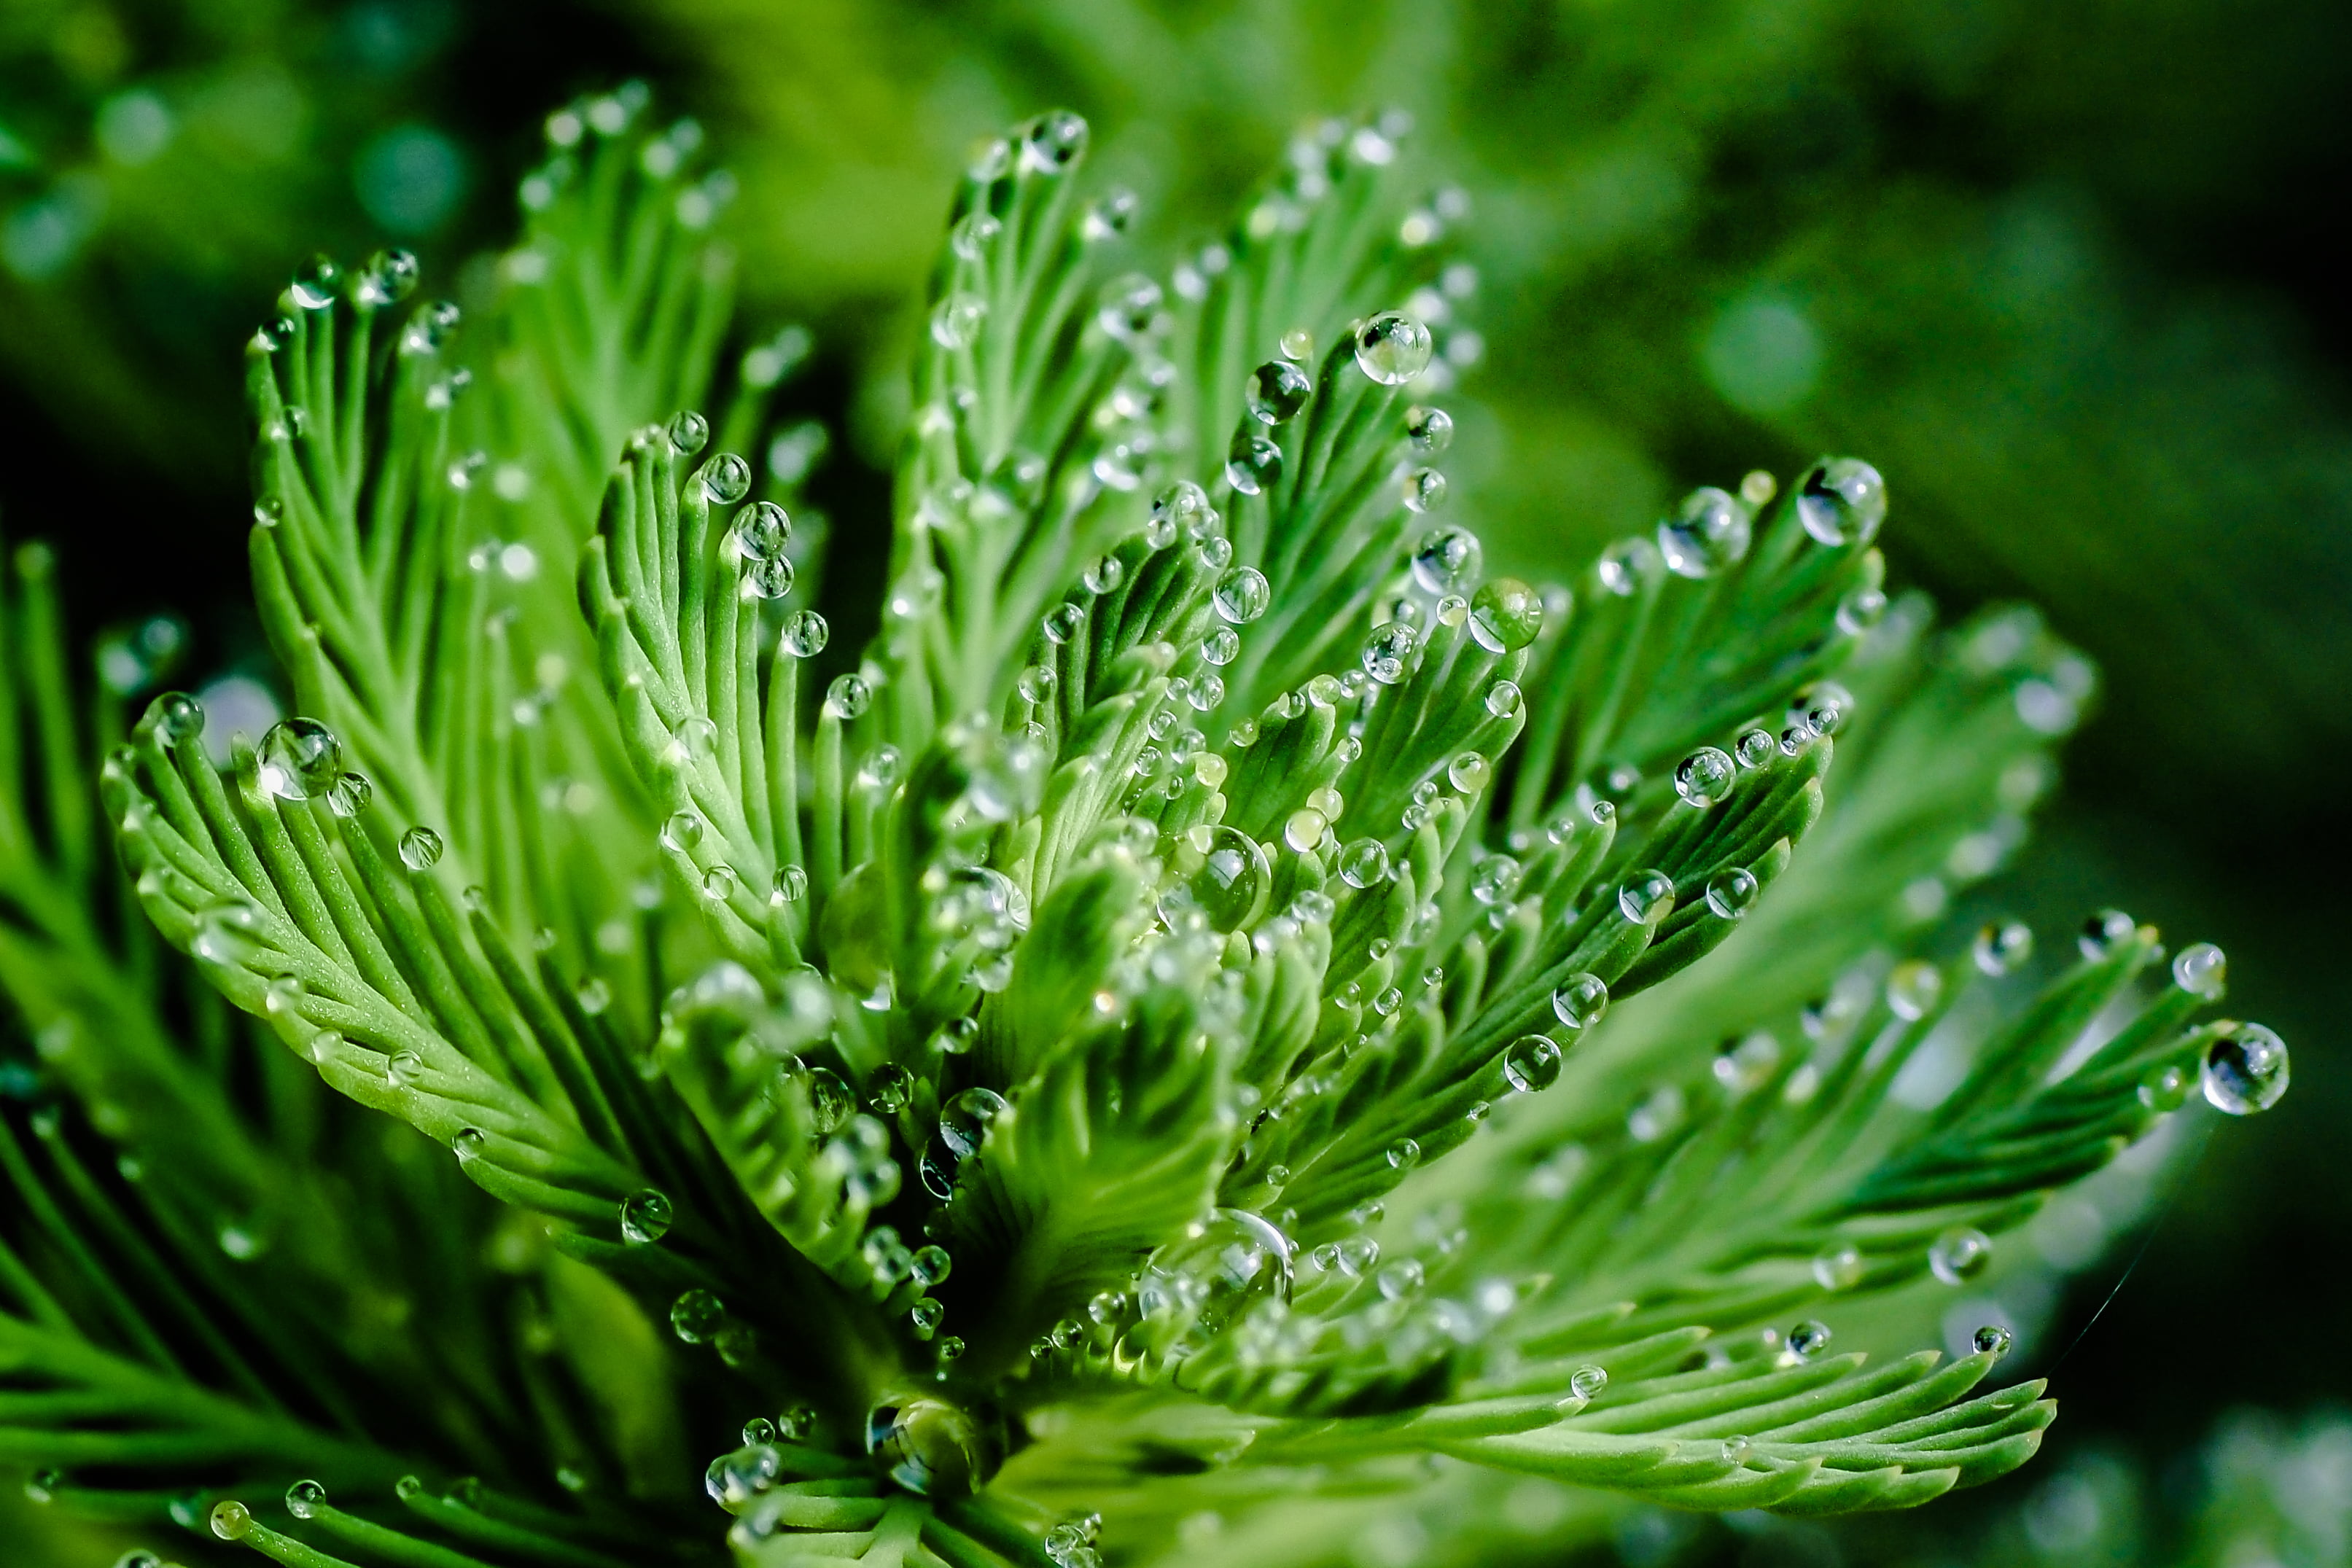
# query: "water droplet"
830,1101
2165,1088
806,633
931,1265
1914,988
683,832
848,697
1431,430
1400,1279
1702,778
1841,501
1646,897
1860,610
646,1217
1052,142
1505,615
1807,1340
231,1521
927,1315
1960,1255
420,849
929,1447
177,716
1183,510
1446,560
2102,931
696,1316
956,320
403,1068
973,234
1820,709
792,885
1708,532
1388,652
1991,1339
1364,864
964,1121
725,479
758,1430
1423,490
1062,622
1130,306
1252,462
1103,575
1838,1265
1392,348
2245,1070
1221,646
1732,893
1304,829
2001,945
1747,1066
2201,970
761,532
1467,773
1581,1000
350,794
299,759
1531,1063
1403,1155
1223,875
303,1498
1624,566
1587,1382
1277,390
315,283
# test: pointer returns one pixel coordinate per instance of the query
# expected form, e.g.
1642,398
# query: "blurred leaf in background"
2068,274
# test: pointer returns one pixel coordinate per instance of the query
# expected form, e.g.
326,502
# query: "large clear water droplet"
1579,1000
1392,348
1431,430
725,479
1913,989
1702,775
1808,1340
1731,894
1505,615
316,281
1646,897
964,1121
1708,532
1222,875
1243,595
2202,970
299,759
1277,390
420,849
928,1446
646,1217
1531,1063
2245,1070
1446,560
1388,652
1843,501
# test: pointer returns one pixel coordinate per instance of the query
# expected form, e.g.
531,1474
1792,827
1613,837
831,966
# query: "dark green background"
2071,273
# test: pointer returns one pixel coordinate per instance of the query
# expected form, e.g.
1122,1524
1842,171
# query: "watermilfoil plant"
1137,1060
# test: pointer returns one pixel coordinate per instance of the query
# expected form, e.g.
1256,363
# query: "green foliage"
1145,1040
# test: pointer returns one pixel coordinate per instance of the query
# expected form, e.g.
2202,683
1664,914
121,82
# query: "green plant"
1136,1048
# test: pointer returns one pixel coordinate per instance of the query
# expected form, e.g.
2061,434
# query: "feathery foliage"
1147,1041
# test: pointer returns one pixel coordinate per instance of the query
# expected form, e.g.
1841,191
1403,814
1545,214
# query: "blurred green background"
2070,272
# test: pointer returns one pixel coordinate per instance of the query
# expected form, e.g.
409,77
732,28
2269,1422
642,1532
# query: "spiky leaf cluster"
1143,1039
